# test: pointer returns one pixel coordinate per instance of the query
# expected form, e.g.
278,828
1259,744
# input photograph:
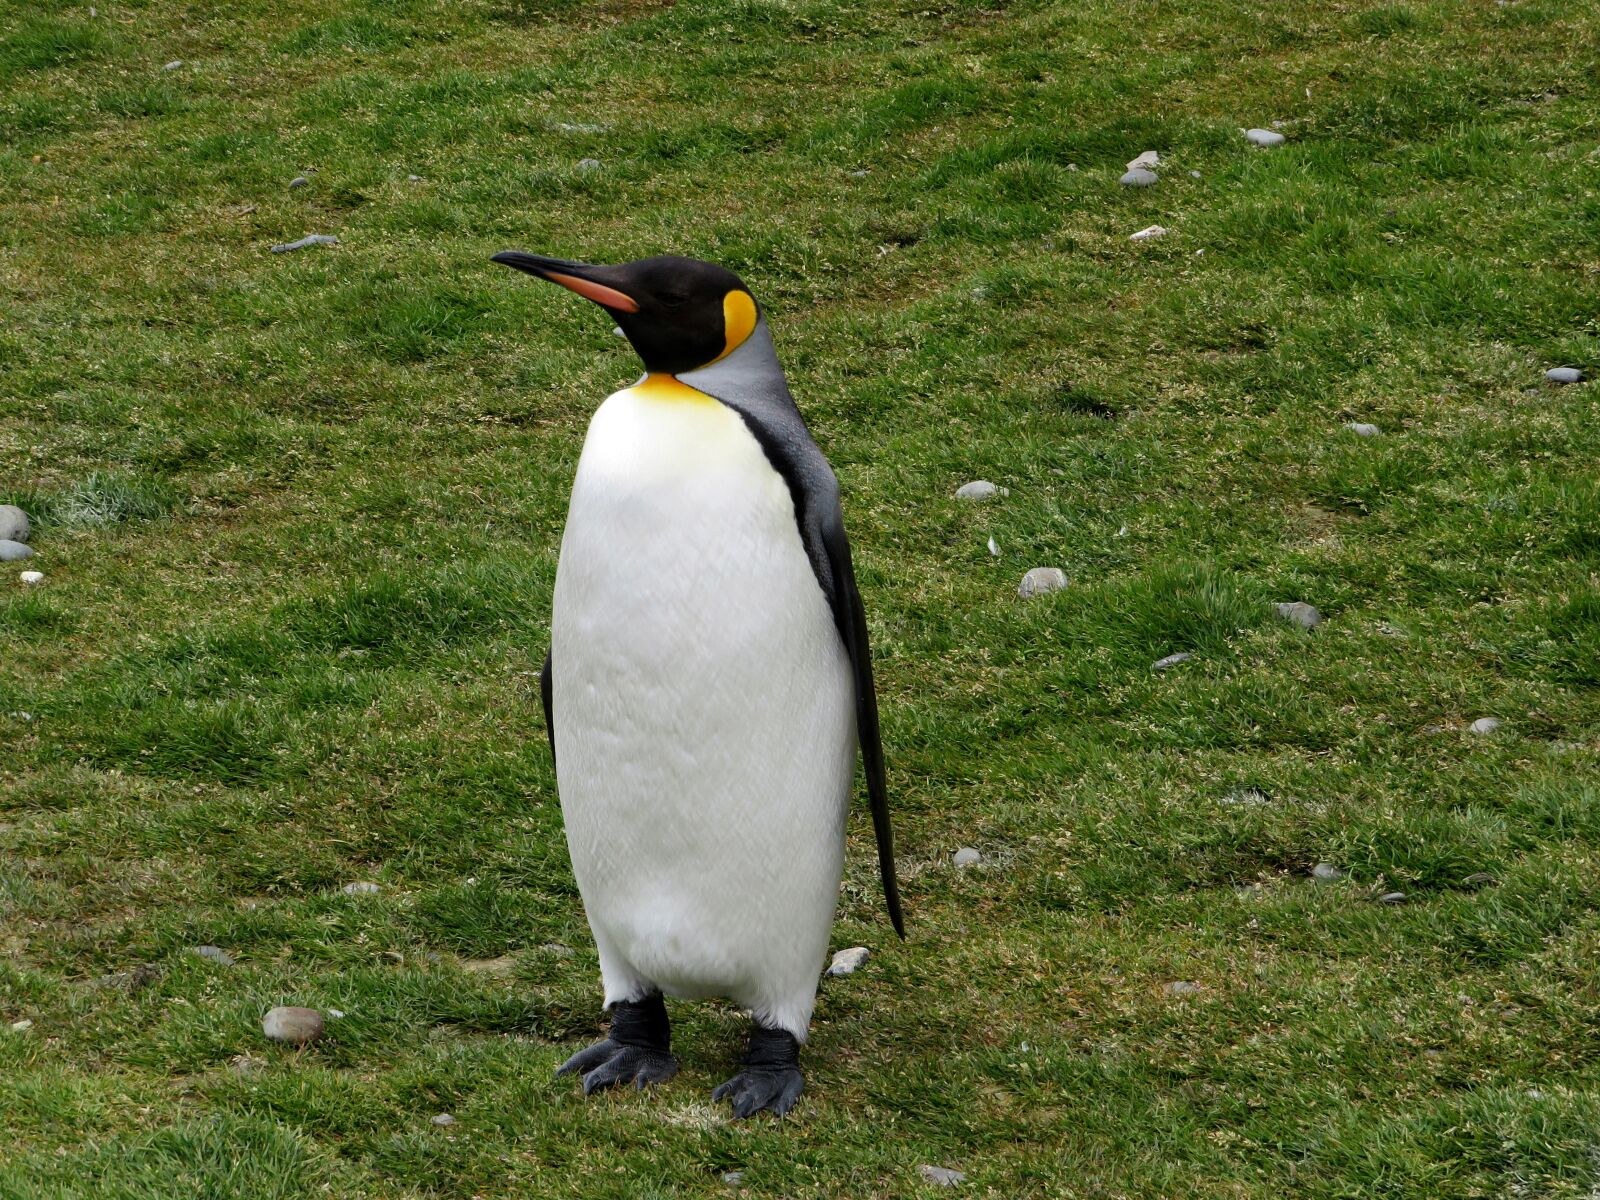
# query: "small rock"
1297,612
1362,429
1072,166
588,164
14,551
21,1026
32,578
1481,879
442,1120
966,857
557,949
1148,159
1194,174
858,174
299,181
1148,234
336,1014
1564,375
14,525
616,331
1171,660
361,887
1263,137
941,1176
733,1178
297,1026
978,489
1139,178
1486,725
1041,580
214,954
994,548
1392,898
1326,873
847,962
173,65
311,239
1182,988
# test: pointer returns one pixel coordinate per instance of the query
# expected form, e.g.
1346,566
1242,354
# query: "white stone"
1486,725
1148,159
1362,429
1326,873
588,164
1171,660
1264,137
941,1176
1148,234
311,239
847,962
21,1026
967,857
32,577
978,489
994,548
173,65
1564,375
1041,580
14,525
361,888
442,1120
1139,178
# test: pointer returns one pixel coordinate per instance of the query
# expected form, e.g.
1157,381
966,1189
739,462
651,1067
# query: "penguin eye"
672,299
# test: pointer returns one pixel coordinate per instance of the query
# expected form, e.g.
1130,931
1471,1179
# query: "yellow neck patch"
666,388
738,321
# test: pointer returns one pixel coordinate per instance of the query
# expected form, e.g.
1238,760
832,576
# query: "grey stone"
32,578
1263,137
173,65
588,164
966,857
299,181
21,1026
1392,898
1362,429
1564,375
941,1176
14,525
1148,234
1182,988
1326,873
1139,177
1480,879
1486,725
311,239
847,962
413,178
1298,612
1145,161
14,551
557,949
296,1026
336,1014
214,954
1041,580
994,548
1194,174
361,887
858,174
733,1178
978,489
442,1120
1171,660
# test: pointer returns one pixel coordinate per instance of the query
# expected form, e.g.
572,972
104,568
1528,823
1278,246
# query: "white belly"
705,730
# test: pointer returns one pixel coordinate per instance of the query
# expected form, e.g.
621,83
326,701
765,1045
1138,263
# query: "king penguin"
708,682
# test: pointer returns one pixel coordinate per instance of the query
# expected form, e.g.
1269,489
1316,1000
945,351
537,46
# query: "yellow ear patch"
738,321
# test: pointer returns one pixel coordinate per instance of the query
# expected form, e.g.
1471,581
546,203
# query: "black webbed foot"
637,1050
771,1079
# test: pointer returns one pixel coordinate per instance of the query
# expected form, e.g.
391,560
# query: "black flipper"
750,381
549,710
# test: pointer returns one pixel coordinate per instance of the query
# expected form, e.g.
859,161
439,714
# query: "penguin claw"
760,1088
606,1064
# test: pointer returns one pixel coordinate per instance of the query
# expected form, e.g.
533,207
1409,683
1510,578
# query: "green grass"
299,517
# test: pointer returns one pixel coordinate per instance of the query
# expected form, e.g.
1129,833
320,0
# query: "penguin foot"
771,1079
638,1050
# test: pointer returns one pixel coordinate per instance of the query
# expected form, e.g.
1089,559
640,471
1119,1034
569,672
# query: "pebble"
967,857
1263,137
1481,879
1148,234
361,888
1486,725
1171,660
1139,178
311,239
32,577
1148,159
1041,580
1564,375
733,1178
173,65
21,1026
1392,898
846,962
942,1176
979,489
413,178
297,1026
1362,429
1182,988
1194,174
1326,873
442,1120
14,551
299,181
336,1014
588,164
214,954
557,949
14,525
858,174
1298,612
994,548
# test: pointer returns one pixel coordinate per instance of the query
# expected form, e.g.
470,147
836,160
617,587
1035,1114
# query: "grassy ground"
299,517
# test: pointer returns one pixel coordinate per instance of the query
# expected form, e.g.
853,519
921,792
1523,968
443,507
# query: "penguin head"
679,313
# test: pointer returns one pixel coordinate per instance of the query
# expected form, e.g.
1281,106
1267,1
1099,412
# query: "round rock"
361,888
1148,234
1486,725
1392,898
1362,429
1299,613
14,551
299,181
173,65
296,1026
733,1178
32,578
14,525
1041,580
966,857
1139,177
442,1120
941,1176
1326,873
846,962
978,489
1264,137
1564,375
214,954
588,164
